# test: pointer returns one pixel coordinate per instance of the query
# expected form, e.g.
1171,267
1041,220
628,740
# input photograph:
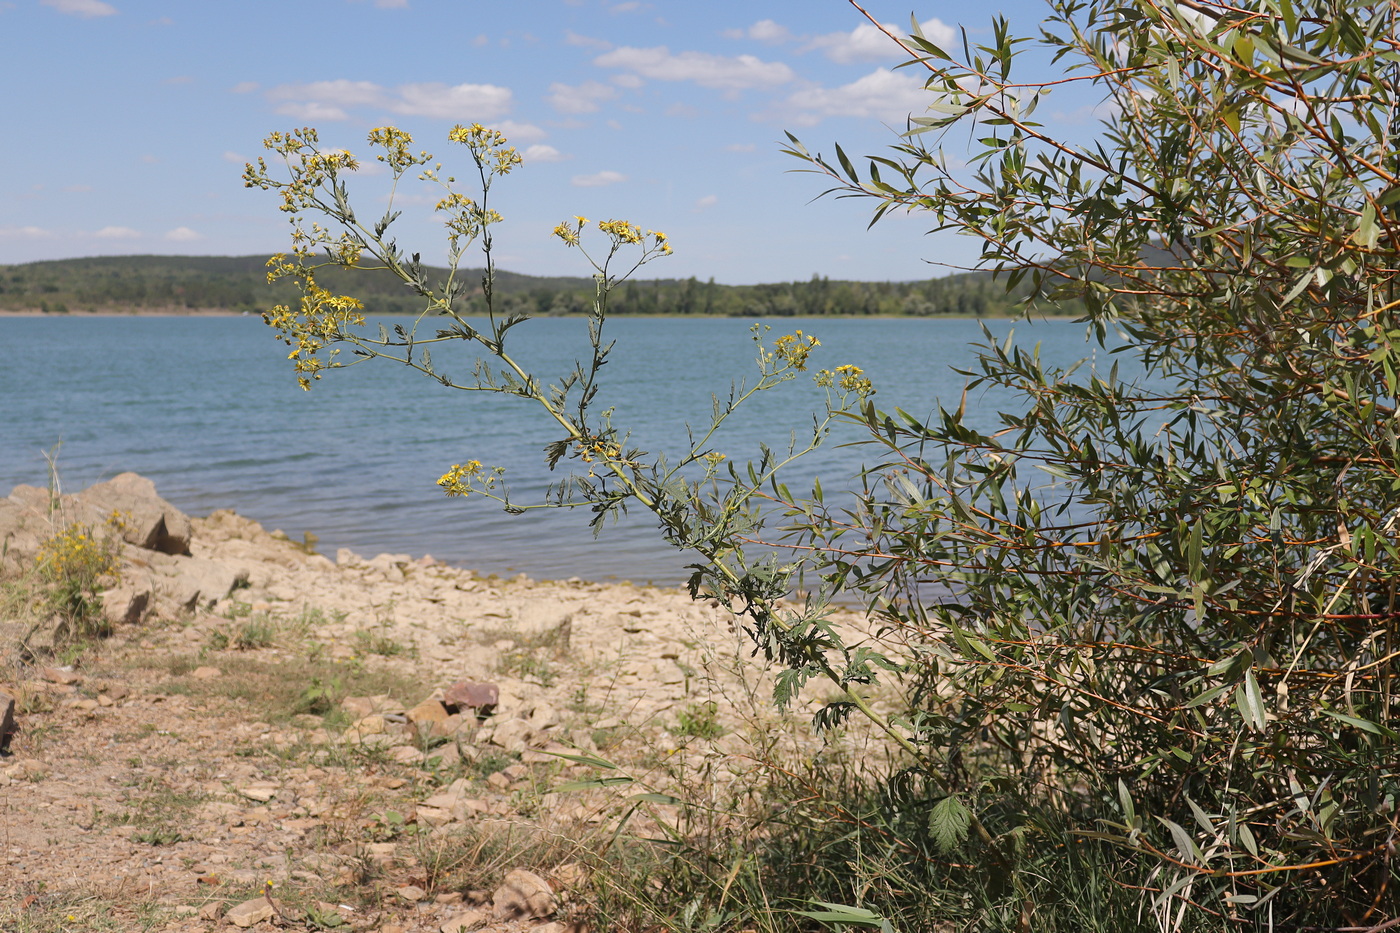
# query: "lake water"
208,408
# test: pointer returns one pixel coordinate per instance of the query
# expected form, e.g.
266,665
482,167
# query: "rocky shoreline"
486,693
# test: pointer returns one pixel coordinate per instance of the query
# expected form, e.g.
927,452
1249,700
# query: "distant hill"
145,284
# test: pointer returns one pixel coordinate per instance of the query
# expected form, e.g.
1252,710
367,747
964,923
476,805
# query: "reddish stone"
466,695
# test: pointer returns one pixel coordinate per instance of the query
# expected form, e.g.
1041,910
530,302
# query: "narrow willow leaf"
1365,725
1184,843
665,800
570,787
1250,702
844,914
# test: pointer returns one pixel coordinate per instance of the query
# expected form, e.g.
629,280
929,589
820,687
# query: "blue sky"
129,121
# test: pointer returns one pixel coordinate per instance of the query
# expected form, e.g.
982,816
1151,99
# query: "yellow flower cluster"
488,147
848,378
457,481
329,161
395,143
321,317
467,218
794,349
76,556
621,232
569,233
588,452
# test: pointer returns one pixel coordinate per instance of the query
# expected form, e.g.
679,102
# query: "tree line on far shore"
138,284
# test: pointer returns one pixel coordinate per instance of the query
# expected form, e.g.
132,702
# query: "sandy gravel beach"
268,715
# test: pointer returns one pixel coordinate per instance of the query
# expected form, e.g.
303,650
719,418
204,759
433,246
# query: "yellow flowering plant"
74,564
704,503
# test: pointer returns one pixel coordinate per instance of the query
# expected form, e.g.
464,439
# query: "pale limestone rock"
513,735
464,921
359,707
125,604
261,791
430,711
143,518
193,582
61,675
371,725
432,816
523,895
250,912
544,717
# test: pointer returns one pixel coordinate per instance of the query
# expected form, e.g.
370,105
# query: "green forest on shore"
137,284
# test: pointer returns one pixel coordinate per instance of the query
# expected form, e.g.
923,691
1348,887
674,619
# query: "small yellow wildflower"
848,378
570,233
794,349
457,481
621,231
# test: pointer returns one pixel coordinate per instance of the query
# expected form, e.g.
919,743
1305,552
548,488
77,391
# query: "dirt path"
293,733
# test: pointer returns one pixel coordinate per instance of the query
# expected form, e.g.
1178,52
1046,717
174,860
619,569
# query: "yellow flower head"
849,378
794,349
621,231
457,481
569,234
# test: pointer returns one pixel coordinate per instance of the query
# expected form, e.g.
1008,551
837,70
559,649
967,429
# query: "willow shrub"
1188,645
1154,618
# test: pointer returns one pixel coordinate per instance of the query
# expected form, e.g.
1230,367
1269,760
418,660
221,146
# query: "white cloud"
312,112
235,158
87,9
882,94
325,100
740,147
245,87
332,100
588,42
183,235
629,6
708,201
539,153
628,81
865,43
77,189
118,233
597,179
28,233
730,73
765,30
519,132
581,99
684,111
457,102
